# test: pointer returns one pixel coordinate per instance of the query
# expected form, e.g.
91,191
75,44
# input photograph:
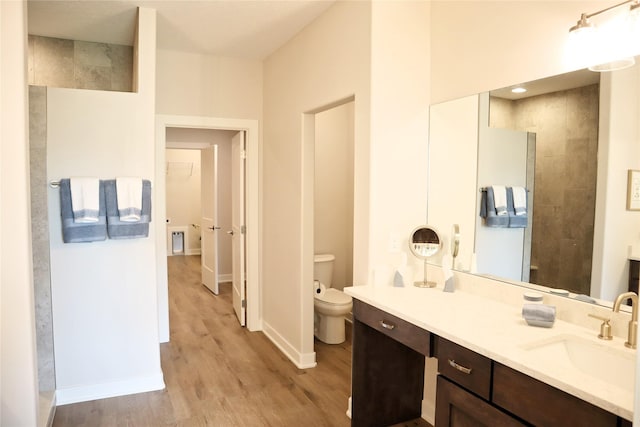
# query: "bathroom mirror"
424,243
583,229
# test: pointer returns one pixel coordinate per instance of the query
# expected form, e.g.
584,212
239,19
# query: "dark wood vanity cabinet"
387,370
525,400
456,407
472,390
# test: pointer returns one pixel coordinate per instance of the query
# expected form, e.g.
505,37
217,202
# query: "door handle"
230,232
214,228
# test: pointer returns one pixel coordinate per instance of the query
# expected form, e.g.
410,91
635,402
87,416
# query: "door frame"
252,212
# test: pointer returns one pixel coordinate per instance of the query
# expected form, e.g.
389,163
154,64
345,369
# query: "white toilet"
330,305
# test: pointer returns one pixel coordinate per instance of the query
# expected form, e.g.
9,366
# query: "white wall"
18,388
325,63
203,88
400,49
104,293
192,84
328,62
333,190
183,196
506,43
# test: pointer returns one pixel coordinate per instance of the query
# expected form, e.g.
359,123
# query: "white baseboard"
70,395
194,251
301,360
46,408
224,278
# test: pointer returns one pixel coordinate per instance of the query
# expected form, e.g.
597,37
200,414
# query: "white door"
208,224
237,226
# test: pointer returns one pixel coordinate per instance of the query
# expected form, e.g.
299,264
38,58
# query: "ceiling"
250,29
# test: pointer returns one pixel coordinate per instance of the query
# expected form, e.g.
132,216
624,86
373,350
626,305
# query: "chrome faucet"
632,336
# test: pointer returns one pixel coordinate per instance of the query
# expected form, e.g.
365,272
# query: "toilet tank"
323,268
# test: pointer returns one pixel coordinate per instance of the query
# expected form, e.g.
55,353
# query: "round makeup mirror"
424,243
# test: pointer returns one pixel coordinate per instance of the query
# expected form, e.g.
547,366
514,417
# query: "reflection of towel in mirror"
500,199
519,200
488,211
515,220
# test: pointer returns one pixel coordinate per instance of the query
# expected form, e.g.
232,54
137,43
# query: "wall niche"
77,64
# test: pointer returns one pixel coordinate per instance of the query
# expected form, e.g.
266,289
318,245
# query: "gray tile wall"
80,65
40,236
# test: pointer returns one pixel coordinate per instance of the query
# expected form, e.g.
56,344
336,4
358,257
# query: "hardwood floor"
220,374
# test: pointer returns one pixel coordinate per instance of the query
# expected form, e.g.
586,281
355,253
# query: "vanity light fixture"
608,47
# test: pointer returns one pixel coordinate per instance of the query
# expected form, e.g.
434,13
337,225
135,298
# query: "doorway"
249,129
328,222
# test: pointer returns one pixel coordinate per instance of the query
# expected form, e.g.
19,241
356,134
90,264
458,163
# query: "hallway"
220,374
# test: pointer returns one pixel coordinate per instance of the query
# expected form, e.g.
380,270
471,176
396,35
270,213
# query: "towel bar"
483,189
54,184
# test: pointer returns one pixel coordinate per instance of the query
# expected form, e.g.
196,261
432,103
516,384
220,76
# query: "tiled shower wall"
81,65
566,128
40,236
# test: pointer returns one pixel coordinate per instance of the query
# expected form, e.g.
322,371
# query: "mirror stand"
424,283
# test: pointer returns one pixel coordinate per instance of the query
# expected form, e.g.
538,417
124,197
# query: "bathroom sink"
599,360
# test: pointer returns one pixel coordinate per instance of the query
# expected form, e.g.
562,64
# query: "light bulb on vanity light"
611,46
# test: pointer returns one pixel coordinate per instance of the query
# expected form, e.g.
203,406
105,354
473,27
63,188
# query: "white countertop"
498,331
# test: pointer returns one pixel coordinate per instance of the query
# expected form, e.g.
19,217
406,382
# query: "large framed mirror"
569,141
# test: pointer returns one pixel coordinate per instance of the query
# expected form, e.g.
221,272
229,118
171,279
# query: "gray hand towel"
488,211
515,221
539,314
127,230
78,232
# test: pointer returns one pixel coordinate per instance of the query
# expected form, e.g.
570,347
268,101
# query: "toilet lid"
334,296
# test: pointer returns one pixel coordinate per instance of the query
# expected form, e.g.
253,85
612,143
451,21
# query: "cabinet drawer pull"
389,326
460,368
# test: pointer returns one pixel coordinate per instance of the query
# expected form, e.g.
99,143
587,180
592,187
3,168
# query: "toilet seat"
333,296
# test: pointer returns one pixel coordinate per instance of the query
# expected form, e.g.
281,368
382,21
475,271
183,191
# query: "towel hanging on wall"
118,229
129,198
80,232
85,198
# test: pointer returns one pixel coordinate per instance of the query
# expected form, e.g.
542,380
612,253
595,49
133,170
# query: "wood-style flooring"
220,374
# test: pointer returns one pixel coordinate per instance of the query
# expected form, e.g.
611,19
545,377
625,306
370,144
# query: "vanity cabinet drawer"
465,367
456,407
400,330
544,405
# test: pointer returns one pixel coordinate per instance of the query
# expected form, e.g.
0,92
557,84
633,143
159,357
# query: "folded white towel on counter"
500,199
85,199
129,197
519,200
